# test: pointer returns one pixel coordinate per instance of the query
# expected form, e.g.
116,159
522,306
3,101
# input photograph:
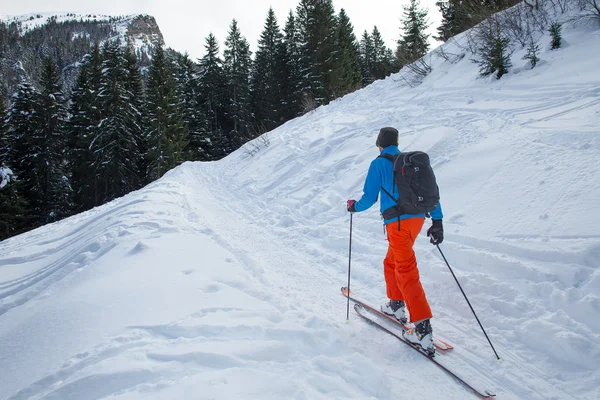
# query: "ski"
439,344
361,311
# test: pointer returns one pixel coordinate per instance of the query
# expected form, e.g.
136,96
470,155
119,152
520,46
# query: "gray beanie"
388,136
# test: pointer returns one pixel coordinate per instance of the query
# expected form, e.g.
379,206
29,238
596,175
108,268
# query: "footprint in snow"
140,247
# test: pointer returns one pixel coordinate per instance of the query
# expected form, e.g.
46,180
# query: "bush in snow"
493,46
555,32
414,73
261,142
308,104
533,51
452,58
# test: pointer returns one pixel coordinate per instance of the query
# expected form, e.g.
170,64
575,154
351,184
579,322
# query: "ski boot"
396,309
422,335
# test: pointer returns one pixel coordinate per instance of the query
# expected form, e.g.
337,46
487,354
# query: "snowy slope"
221,280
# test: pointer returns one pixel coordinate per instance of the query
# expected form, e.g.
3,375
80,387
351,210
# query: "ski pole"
349,263
468,302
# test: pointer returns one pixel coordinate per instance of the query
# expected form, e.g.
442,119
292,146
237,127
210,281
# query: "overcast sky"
185,24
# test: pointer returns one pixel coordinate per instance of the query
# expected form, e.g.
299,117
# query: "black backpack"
417,187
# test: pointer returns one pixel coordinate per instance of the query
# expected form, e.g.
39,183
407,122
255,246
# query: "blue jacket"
381,175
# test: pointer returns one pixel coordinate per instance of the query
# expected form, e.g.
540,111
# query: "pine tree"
457,17
382,64
13,208
327,55
56,186
367,59
494,50
460,15
304,26
391,62
22,144
317,27
211,84
4,144
236,66
115,145
35,142
188,97
414,42
555,32
446,29
348,72
292,84
533,52
267,75
135,89
167,134
85,114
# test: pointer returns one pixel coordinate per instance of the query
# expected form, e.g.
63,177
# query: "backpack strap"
387,157
390,158
394,211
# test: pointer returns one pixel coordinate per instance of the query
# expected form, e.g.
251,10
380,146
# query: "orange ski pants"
400,268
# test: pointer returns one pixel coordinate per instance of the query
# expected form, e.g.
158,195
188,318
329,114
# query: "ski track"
270,309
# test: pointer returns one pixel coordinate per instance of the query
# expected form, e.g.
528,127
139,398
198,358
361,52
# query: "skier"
401,273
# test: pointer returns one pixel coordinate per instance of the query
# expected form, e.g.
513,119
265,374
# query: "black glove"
350,205
436,232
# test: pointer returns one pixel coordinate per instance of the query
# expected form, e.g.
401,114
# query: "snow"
5,176
221,280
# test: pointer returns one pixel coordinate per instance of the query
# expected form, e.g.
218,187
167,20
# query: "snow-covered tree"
115,145
21,146
13,206
35,145
53,135
4,144
236,65
268,74
211,85
85,114
166,135
317,28
187,92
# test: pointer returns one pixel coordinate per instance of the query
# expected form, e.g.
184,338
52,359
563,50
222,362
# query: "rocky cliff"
26,39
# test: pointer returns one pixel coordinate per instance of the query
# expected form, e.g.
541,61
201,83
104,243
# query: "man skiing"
401,273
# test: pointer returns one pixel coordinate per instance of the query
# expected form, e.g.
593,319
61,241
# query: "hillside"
221,280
